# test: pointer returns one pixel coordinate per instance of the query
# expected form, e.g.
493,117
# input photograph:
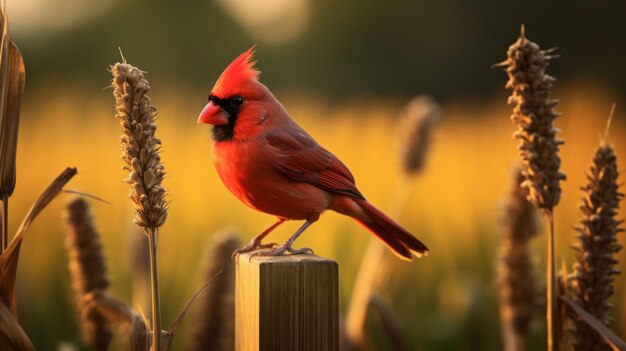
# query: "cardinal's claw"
281,250
254,244
302,251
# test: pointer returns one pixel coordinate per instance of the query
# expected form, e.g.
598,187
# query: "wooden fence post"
286,303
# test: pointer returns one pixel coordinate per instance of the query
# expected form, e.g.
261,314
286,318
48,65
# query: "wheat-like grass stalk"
140,148
595,249
88,270
417,124
534,114
12,79
517,288
213,328
140,153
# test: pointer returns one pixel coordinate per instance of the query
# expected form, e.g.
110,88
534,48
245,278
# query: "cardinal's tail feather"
398,239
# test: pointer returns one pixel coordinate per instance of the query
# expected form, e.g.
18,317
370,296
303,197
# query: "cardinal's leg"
286,246
255,243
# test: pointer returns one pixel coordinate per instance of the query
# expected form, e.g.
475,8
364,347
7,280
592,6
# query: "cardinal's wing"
301,158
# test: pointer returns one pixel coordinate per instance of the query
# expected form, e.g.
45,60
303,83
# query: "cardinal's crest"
239,72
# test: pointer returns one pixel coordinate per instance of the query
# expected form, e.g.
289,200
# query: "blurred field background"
344,71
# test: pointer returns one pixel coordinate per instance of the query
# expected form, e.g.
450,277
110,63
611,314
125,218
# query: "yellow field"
448,299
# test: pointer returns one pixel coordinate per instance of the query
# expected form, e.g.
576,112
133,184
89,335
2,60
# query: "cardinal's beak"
213,114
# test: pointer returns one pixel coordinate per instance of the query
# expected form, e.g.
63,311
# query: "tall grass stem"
5,222
551,303
156,300
373,269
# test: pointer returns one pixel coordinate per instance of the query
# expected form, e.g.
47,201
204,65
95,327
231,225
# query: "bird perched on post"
272,165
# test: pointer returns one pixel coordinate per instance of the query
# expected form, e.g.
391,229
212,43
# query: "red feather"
302,159
391,233
239,72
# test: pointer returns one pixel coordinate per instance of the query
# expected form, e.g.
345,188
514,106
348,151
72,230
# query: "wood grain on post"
286,303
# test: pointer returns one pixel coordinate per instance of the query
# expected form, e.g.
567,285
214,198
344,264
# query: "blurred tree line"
349,48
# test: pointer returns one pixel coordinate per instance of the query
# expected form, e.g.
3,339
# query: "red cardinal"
272,165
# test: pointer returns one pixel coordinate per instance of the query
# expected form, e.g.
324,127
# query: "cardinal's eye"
236,100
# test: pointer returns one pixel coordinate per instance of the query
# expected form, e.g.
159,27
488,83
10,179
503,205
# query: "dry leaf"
112,308
12,77
12,336
10,257
185,309
139,338
608,335
117,311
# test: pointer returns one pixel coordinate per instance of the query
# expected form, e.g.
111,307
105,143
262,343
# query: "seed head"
595,249
140,147
517,283
418,121
88,270
534,114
